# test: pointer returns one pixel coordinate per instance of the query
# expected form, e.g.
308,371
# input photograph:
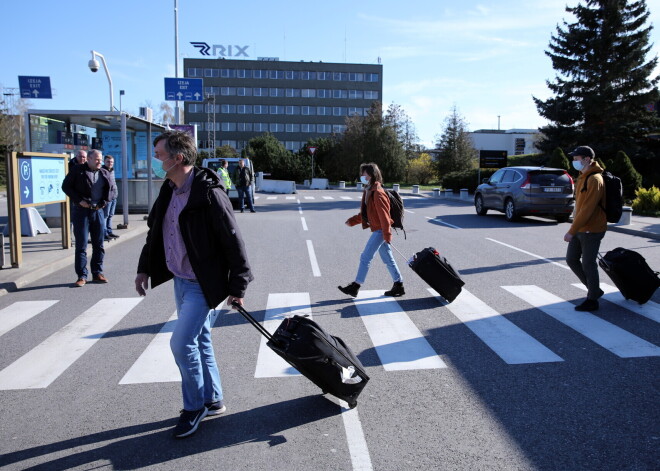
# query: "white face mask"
364,180
578,165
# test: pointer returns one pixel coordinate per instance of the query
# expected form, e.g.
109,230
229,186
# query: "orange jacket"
378,212
589,215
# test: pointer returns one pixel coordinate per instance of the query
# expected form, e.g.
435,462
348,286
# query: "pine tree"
603,84
559,160
622,167
456,150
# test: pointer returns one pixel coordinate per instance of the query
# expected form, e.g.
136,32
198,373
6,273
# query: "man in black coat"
193,238
88,187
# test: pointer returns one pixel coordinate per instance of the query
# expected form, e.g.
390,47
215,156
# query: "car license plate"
552,189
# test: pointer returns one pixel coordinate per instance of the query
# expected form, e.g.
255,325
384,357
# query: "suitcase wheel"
352,405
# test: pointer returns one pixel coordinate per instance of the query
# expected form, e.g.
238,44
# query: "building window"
323,111
323,75
308,127
354,111
293,146
370,95
227,73
195,72
371,77
228,127
308,110
293,110
338,128
228,143
276,109
228,91
260,109
340,94
244,73
244,109
293,92
292,127
355,94
196,108
276,92
519,146
211,90
324,128
276,127
276,74
244,127
308,93
261,127
243,91
228,109
211,72
292,74
338,111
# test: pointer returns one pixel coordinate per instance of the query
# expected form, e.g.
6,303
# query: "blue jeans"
376,243
192,347
244,192
108,212
581,257
88,221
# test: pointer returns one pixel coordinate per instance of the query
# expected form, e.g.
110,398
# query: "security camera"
93,65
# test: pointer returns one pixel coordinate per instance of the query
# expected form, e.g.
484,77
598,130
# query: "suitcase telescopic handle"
252,320
404,257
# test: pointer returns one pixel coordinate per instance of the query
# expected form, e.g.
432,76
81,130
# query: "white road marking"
409,211
19,312
271,197
649,309
442,222
506,339
398,342
607,335
357,444
309,198
291,197
328,198
279,307
156,364
42,365
300,210
312,258
304,224
346,197
566,267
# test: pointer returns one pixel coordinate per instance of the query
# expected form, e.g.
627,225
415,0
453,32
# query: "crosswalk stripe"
346,197
607,335
316,271
156,364
649,309
291,197
309,198
506,339
271,197
304,223
398,342
328,198
280,306
39,367
19,312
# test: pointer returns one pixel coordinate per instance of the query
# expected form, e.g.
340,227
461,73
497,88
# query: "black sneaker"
215,408
397,290
588,305
113,236
189,421
351,290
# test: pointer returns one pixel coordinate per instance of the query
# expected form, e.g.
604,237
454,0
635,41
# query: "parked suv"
527,191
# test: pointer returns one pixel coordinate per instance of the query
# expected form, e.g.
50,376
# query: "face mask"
578,165
364,180
157,167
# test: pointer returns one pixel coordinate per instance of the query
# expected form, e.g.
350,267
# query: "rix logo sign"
221,51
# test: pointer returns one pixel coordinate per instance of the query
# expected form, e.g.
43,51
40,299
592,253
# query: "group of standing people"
244,178
90,185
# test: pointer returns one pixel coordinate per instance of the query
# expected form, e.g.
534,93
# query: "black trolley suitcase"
322,358
437,272
630,273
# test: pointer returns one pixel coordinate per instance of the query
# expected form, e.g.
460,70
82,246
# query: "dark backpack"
396,210
613,196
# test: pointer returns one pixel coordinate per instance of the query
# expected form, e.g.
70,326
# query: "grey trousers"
584,246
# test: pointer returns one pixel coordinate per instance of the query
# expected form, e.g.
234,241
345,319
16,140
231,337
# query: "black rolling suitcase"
437,273
630,273
322,358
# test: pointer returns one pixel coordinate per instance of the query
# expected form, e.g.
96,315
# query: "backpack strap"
584,187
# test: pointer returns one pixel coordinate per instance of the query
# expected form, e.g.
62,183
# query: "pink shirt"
176,255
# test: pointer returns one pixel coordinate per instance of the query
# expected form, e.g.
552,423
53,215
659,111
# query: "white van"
214,164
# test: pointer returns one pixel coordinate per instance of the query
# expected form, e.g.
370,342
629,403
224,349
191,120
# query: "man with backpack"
589,225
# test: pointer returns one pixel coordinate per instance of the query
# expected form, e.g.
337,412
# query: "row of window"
283,74
292,92
240,145
272,127
278,109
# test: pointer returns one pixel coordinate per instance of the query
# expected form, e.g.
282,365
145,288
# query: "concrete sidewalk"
43,254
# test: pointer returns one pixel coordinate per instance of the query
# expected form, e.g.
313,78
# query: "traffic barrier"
358,187
342,185
464,194
449,193
436,192
626,216
278,186
415,189
319,184
395,187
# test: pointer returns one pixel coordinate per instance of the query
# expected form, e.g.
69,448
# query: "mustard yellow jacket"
589,213
378,212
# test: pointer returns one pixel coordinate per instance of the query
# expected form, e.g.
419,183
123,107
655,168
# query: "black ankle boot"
351,290
397,290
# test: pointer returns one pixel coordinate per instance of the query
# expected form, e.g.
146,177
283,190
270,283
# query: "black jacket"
78,186
243,176
113,184
213,241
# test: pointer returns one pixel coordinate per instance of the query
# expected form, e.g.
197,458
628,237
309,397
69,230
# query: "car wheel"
510,210
562,217
479,205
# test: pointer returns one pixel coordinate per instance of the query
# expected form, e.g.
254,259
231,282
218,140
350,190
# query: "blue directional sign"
40,179
184,89
34,87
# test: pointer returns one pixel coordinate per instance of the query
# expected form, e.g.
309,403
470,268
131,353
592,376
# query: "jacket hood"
204,181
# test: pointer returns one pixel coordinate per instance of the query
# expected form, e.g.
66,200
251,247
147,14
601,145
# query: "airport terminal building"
295,101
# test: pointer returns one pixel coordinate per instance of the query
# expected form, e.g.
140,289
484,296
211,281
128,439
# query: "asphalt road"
506,377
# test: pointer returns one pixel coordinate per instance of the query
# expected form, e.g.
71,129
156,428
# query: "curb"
635,232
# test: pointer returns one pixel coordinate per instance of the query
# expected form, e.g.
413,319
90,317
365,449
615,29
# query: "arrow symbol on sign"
179,95
35,93
27,192
197,95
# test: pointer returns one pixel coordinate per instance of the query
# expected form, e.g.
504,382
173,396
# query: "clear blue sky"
487,58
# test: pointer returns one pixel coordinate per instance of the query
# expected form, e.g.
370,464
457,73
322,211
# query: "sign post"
184,89
35,179
34,87
312,151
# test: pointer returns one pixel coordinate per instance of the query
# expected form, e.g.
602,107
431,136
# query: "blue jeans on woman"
87,221
376,243
192,347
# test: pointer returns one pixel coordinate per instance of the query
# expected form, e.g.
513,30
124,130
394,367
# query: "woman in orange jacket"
374,214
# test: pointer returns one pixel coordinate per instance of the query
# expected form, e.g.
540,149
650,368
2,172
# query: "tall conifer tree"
604,84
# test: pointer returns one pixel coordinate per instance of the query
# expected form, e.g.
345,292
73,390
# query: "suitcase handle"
252,320
404,257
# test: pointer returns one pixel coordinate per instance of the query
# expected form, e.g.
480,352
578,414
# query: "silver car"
527,191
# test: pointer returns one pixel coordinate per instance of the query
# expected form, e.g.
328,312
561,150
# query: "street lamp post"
93,65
